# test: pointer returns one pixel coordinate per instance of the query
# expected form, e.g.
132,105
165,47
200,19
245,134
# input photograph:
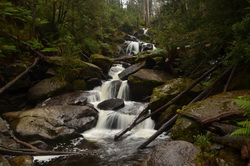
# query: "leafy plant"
244,102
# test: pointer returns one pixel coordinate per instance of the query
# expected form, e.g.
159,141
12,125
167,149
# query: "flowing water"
100,140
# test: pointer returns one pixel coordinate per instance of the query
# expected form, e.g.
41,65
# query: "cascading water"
101,138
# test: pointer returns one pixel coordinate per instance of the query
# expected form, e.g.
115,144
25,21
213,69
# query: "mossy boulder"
185,129
164,93
216,107
101,61
47,88
144,81
71,69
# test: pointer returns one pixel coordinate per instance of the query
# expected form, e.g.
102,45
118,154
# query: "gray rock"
73,98
4,161
53,122
111,104
174,153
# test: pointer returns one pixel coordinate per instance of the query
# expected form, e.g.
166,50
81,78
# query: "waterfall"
116,88
133,48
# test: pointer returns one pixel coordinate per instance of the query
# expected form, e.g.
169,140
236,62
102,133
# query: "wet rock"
101,61
4,161
163,94
185,129
52,122
130,70
24,160
216,107
39,144
46,88
111,104
73,98
144,81
174,153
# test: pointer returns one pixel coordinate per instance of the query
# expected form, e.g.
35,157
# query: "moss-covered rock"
47,88
101,61
144,81
162,94
216,107
79,85
73,69
164,116
185,129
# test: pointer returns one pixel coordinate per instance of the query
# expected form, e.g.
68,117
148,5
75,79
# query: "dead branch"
8,85
10,151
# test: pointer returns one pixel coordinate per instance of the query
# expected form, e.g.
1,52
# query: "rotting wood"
8,85
139,119
223,116
169,124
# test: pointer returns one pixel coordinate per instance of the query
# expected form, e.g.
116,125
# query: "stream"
99,141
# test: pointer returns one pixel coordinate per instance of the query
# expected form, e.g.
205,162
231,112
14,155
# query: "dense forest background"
198,31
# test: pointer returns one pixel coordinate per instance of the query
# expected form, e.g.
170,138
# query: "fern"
244,102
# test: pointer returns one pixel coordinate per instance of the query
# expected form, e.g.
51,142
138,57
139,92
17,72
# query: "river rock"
46,88
216,107
101,61
73,98
52,122
174,153
111,104
130,70
144,81
23,160
164,93
4,161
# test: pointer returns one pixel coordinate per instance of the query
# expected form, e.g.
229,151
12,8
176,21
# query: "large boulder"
24,160
48,87
101,61
216,107
53,122
73,98
144,81
179,153
111,104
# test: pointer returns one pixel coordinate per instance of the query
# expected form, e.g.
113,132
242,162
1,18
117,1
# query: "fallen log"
169,124
9,151
139,120
8,85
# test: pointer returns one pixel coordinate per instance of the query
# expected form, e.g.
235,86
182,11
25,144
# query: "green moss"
185,129
79,85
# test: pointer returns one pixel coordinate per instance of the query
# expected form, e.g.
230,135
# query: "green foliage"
203,141
244,102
